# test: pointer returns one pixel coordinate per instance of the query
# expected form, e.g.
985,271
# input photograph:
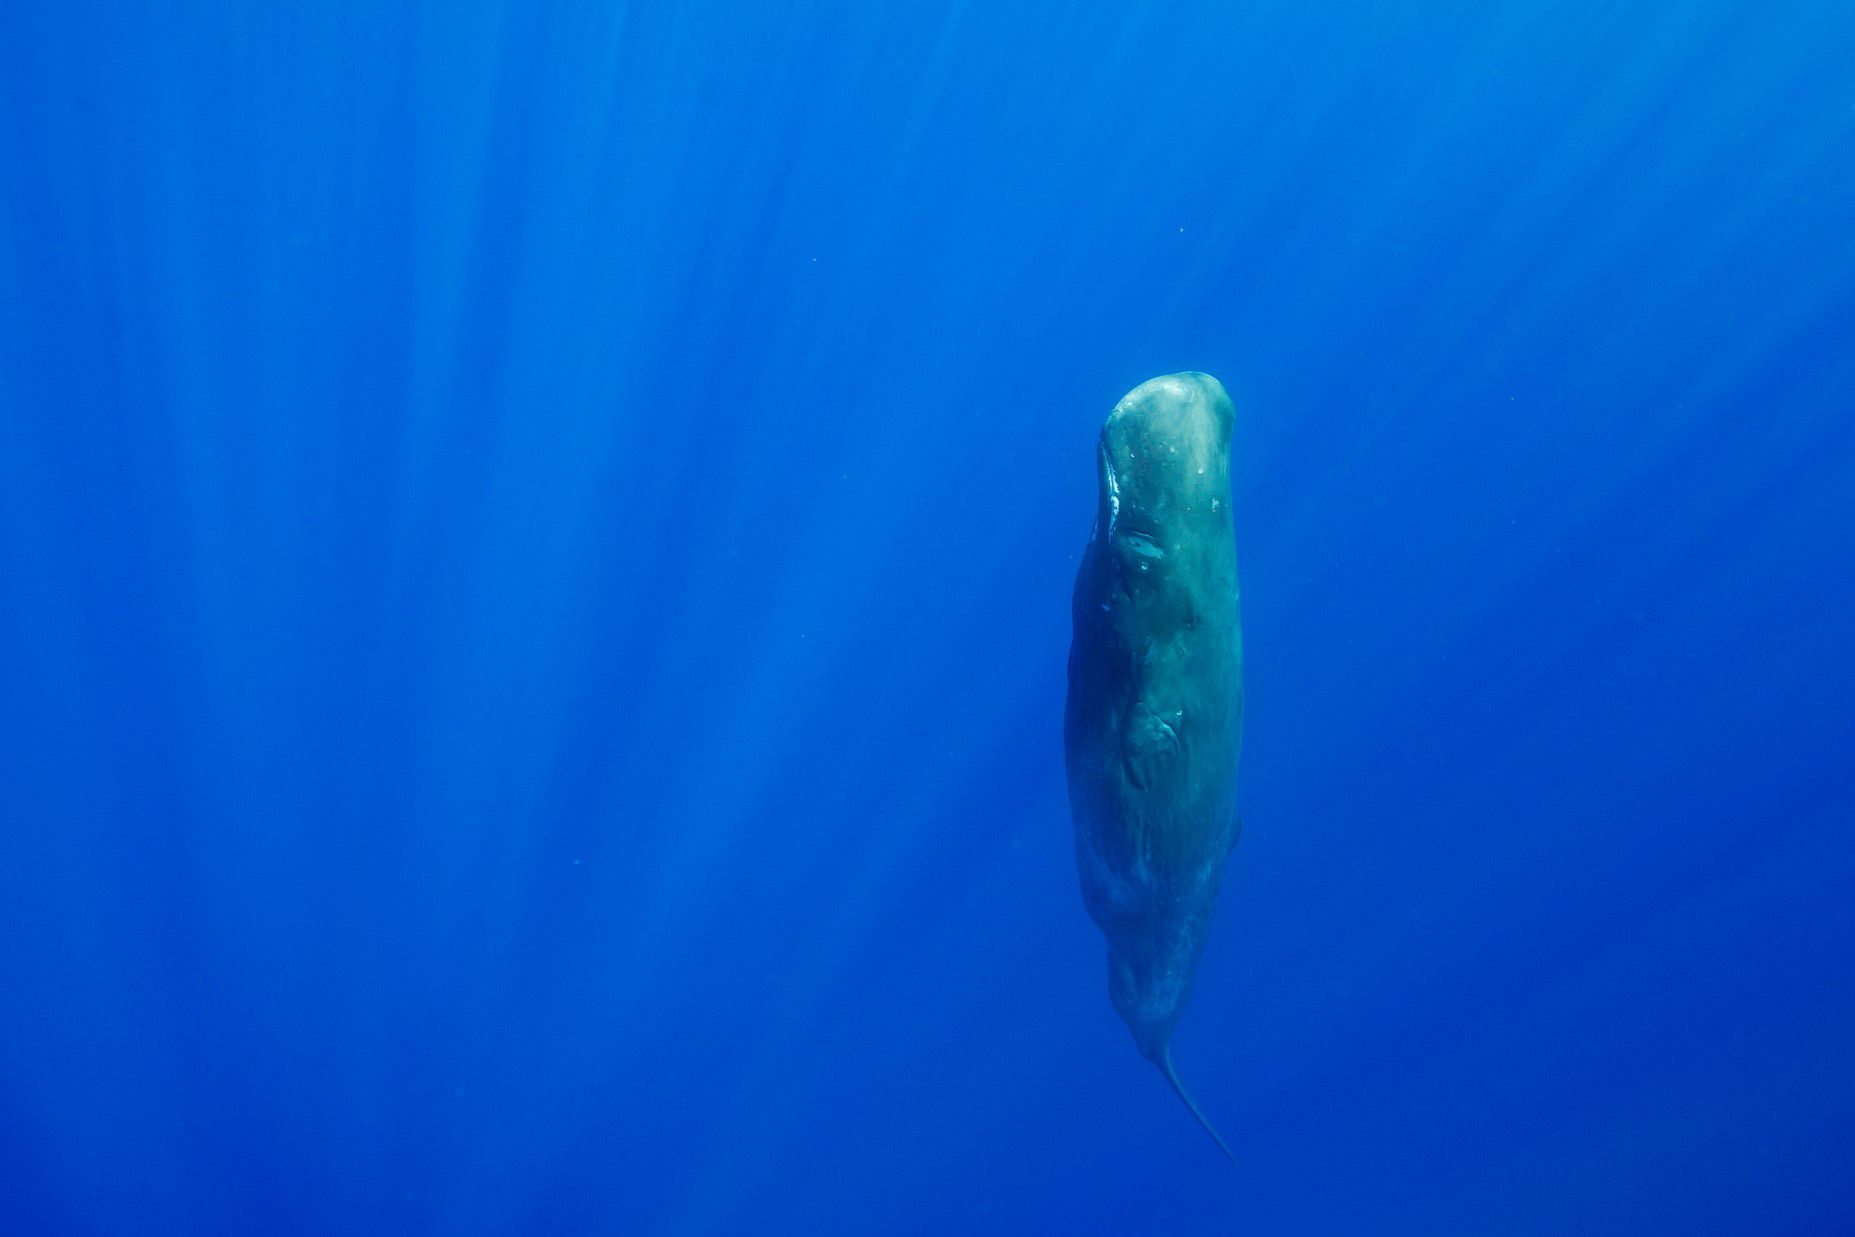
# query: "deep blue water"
535,544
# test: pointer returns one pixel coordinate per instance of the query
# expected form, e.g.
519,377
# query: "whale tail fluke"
1164,1062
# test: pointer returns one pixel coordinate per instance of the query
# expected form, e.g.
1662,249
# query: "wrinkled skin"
1155,706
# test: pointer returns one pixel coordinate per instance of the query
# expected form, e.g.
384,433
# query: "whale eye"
1142,544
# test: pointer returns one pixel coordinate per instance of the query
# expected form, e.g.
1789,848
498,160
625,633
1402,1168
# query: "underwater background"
535,548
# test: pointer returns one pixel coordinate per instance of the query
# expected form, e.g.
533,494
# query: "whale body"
1155,707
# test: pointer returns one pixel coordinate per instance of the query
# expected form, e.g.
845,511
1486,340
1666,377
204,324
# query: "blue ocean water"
535,545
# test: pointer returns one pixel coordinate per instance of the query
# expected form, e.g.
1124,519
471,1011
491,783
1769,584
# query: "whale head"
1163,463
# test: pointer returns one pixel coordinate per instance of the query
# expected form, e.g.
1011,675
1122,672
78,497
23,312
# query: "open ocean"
535,561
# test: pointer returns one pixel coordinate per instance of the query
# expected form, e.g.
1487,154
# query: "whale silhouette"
1155,708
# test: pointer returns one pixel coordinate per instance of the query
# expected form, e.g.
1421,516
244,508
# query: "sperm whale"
1154,714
